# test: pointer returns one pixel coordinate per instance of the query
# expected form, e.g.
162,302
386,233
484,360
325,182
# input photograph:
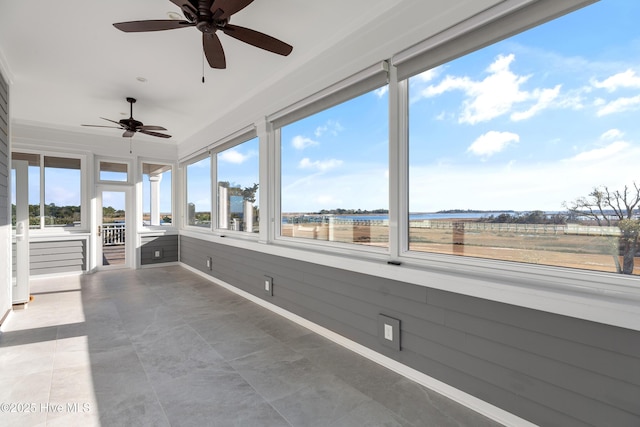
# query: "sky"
526,124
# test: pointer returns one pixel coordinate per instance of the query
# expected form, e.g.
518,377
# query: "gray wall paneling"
550,369
168,245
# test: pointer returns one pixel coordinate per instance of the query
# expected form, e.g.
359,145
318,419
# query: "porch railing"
113,234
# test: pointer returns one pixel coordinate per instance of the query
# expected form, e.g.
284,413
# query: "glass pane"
113,171
335,173
34,186
238,187
156,194
62,192
515,148
199,193
113,230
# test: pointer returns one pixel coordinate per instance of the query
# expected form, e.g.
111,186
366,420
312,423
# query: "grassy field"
555,249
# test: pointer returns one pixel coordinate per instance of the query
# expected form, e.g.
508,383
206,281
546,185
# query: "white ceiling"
68,65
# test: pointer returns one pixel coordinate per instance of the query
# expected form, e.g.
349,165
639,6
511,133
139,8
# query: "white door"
20,237
113,228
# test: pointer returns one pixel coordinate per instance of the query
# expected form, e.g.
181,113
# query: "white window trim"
185,198
127,162
85,189
237,138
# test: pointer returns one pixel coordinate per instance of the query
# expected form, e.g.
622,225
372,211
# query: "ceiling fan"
209,16
131,125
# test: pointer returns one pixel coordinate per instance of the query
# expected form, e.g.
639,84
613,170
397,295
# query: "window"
334,173
199,193
110,171
34,187
527,150
156,194
59,205
238,177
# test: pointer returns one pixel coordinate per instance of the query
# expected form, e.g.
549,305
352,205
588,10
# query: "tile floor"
165,347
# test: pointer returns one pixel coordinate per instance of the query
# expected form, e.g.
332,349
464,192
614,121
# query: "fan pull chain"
130,151
203,66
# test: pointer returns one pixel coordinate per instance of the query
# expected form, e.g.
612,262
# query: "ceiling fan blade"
228,7
128,134
213,50
152,25
148,132
257,39
150,127
99,126
112,121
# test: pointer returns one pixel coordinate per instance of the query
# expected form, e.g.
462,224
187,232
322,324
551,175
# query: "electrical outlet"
209,263
157,254
389,332
268,285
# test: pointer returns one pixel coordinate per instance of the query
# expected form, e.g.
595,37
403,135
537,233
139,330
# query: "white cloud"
322,166
234,156
429,75
545,98
619,105
612,134
600,153
332,126
382,91
626,79
496,95
300,142
492,142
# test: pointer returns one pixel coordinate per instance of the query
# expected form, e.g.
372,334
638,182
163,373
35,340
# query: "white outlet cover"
388,332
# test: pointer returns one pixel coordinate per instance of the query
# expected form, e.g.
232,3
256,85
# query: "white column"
155,199
248,216
223,207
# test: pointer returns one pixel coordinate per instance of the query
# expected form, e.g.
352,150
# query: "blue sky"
525,124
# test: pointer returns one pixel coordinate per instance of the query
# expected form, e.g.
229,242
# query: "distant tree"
614,208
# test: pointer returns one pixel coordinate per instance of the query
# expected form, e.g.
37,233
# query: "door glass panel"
113,228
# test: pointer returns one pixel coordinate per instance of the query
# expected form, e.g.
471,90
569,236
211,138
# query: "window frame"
84,225
234,140
185,180
361,83
130,173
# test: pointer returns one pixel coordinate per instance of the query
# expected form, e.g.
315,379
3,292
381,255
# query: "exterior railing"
113,234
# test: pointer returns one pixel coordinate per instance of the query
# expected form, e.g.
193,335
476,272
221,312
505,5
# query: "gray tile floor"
163,346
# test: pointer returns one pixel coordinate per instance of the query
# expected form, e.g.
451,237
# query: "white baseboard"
471,402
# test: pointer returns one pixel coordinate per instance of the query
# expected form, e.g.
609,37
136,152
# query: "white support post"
155,199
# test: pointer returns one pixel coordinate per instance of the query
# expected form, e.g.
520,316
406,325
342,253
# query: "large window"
199,193
528,150
157,207
238,177
59,205
334,173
